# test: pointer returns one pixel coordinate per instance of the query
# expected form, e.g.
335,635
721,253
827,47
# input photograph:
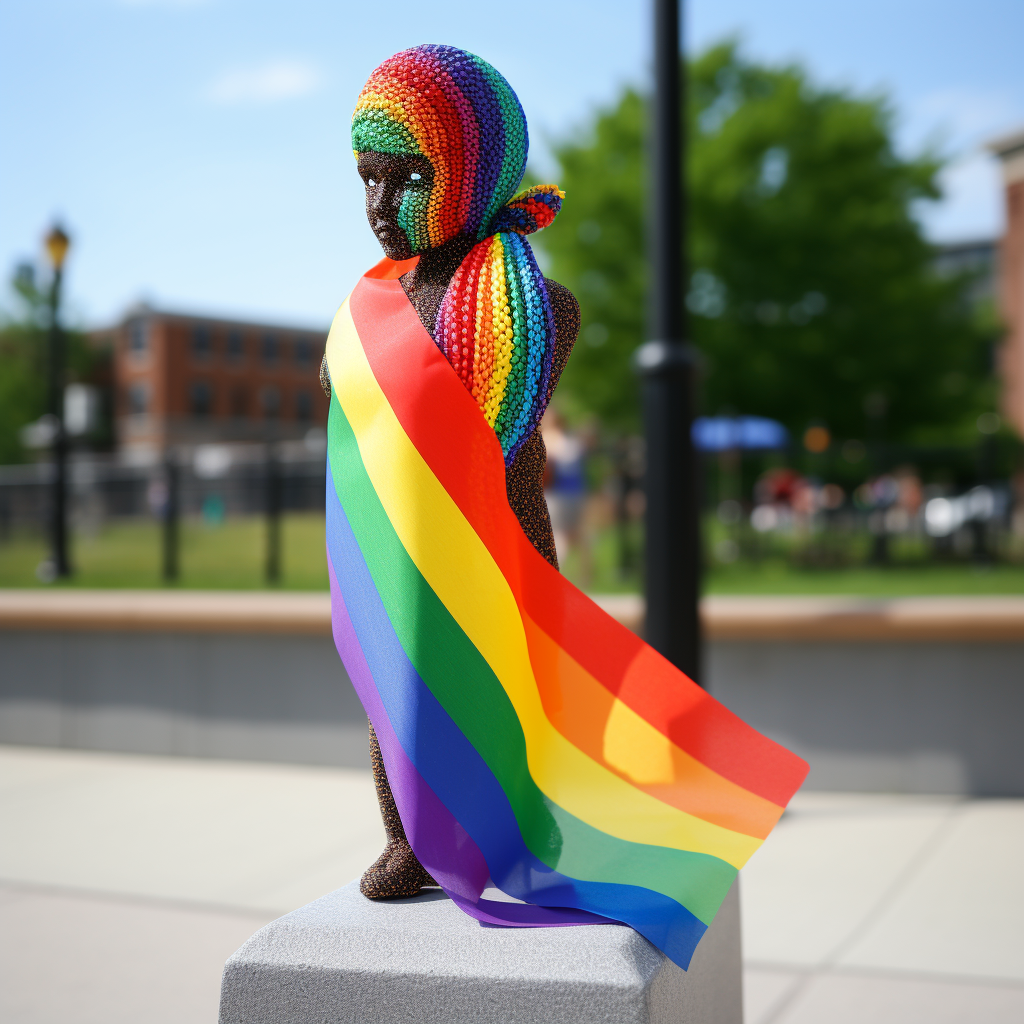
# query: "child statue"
446,202
521,738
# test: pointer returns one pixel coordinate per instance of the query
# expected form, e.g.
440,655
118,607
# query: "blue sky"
198,152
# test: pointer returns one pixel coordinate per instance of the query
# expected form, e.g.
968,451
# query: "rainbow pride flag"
532,743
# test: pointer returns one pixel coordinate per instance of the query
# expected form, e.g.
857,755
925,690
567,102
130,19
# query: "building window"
239,403
200,398
138,399
202,343
138,337
303,406
303,352
271,349
270,399
236,347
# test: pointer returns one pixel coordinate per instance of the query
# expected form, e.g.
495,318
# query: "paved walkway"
125,882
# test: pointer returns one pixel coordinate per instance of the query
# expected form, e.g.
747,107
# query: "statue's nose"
385,204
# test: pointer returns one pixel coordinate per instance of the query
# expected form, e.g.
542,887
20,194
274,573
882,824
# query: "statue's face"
397,194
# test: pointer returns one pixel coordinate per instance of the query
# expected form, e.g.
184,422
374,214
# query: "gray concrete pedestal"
344,958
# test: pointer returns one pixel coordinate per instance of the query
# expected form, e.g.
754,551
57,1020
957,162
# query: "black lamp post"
666,364
57,243
274,487
171,514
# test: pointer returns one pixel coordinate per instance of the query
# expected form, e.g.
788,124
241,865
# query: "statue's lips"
393,241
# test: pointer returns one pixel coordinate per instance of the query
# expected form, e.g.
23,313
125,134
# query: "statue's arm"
567,326
325,377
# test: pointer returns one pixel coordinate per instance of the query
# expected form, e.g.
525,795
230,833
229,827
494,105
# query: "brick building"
1010,151
181,381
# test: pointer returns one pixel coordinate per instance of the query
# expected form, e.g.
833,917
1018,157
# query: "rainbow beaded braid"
495,325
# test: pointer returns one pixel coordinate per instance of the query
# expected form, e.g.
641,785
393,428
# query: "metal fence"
211,481
811,516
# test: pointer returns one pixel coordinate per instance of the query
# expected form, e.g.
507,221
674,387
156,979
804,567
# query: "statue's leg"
396,872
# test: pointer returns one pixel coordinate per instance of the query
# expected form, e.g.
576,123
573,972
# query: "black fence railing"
213,482
845,508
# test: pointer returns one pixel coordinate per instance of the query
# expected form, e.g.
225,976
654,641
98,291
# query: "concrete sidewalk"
127,881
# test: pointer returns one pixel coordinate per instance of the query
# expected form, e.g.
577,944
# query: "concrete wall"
909,717
246,696
921,717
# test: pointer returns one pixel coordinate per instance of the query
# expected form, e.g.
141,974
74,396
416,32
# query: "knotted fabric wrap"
495,325
530,740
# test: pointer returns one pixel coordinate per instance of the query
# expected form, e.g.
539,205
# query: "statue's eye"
415,176
371,183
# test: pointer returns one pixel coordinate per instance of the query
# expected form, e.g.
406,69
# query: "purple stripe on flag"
442,845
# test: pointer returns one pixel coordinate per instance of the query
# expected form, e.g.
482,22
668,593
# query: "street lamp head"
57,243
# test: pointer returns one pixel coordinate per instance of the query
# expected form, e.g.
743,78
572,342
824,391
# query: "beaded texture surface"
396,873
495,324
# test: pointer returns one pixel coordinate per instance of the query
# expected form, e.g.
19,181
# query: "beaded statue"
450,127
521,739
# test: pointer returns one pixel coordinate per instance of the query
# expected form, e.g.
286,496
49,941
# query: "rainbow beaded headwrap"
495,324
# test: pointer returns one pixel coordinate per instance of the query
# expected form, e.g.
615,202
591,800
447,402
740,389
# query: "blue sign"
723,433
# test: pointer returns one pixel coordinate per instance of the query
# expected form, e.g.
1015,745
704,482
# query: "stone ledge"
344,958
170,611
929,619
763,618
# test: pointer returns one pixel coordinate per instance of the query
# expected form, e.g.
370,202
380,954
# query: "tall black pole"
666,363
171,518
61,562
273,498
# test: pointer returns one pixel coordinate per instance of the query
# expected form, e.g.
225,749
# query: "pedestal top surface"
430,935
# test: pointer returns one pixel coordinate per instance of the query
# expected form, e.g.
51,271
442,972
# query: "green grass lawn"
910,574
893,581
231,556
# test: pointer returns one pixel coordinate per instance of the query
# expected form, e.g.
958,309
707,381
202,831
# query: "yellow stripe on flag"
471,586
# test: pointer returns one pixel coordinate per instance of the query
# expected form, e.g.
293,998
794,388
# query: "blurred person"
565,483
777,486
905,512
878,496
911,492
804,500
778,494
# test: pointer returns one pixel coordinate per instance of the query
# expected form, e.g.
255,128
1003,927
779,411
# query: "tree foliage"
23,366
812,296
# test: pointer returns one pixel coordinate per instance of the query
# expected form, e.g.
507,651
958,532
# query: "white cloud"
275,80
972,202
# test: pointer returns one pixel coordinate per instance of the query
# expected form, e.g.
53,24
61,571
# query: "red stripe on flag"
446,427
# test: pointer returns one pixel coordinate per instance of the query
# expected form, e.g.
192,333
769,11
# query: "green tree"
812,295
23,367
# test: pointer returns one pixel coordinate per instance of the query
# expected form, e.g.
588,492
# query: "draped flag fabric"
532,743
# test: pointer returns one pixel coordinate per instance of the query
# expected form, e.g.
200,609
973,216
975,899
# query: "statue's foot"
395,874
